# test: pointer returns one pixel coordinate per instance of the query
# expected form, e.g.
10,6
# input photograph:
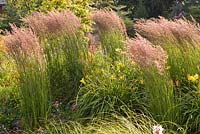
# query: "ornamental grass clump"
145,54
163,29
23,46
185,70
64,48
54,22
180,39
159,97
183,61
130,122
158,87
65,65
111,30
106,20
111,42
22,43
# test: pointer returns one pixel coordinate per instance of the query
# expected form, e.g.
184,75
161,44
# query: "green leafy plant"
9,108
107,86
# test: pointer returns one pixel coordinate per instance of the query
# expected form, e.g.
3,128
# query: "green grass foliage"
129,123
107,85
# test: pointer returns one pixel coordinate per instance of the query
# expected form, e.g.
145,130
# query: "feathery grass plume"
23,43
23,46
162,29
144,53
108,21
53,22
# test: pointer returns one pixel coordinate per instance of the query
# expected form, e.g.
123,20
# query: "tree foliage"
147,8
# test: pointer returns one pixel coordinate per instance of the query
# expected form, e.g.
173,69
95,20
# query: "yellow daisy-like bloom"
133,63
190,78
83,81
168,67
193,78
119,65
142,81
121,77
118,50
113,77
196,76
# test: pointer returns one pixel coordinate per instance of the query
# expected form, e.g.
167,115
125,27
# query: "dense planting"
58,78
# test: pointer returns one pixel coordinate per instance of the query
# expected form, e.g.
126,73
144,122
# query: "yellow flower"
113,77
118,50
190,78
142,81
193,78
83,81
121,77
168,67
119,65
133,63
196,76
